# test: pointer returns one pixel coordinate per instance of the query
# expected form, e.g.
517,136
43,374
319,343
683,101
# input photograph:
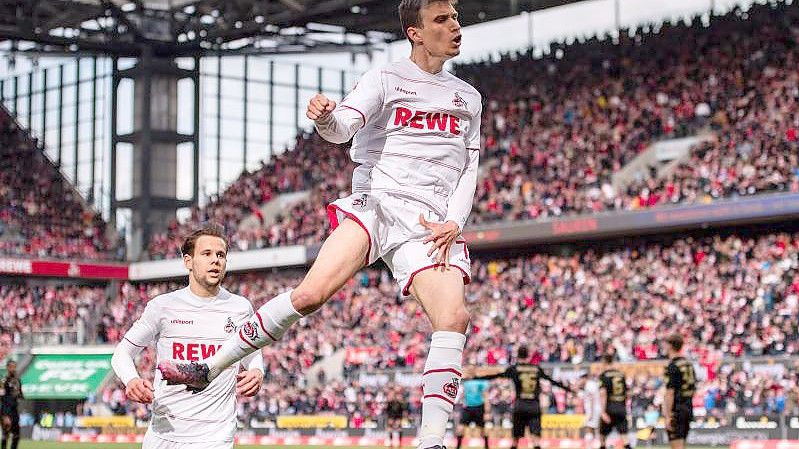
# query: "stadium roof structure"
175,28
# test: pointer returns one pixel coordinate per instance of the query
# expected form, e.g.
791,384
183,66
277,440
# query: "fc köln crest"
451,388
250,331
458,101
229,326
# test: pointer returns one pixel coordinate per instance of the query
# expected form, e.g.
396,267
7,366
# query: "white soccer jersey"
419,133
186,327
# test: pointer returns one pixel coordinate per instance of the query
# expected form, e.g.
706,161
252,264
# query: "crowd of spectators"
40,214
555,129
568,306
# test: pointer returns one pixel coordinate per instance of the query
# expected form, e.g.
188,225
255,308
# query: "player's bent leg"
342,254
441,294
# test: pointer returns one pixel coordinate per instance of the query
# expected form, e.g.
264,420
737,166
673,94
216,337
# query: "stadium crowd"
556,129
566,306
40,214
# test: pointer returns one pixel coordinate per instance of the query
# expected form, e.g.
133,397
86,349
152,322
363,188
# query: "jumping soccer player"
416,131
190,324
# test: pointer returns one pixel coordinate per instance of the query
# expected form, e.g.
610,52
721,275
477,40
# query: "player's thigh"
342,254
441,293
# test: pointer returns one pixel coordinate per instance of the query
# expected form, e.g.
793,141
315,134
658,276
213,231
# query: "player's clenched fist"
140,391
319,107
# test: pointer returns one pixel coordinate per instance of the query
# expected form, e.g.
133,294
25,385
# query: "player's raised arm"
139,336
337,124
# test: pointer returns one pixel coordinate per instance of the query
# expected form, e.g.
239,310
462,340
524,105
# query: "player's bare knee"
306,300
455,321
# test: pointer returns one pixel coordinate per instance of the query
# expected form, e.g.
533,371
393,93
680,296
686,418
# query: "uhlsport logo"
451,388
458,101
229,326
250,331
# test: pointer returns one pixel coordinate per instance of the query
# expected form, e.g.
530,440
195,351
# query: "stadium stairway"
660,159
332,366
273,208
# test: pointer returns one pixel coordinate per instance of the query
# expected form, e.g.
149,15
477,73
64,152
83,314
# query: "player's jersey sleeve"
144,331
355,110
367,97
473,136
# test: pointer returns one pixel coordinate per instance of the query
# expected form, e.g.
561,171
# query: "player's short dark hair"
523,354
675,341
212,229
410,13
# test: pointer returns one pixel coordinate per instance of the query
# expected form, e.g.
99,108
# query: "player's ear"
187,261
414,35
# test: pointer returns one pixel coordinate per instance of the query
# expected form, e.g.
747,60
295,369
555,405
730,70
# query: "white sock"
440,383
265,327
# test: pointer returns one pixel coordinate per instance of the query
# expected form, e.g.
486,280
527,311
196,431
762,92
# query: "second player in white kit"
184,326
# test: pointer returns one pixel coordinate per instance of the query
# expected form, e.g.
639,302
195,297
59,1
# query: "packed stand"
555,130
567,308
47,314
40,213
551,147
312,162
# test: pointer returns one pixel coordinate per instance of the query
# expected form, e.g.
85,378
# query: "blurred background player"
680,382
591,405
9,405
412,192
396,407
190,324
526,379
474,409
613,402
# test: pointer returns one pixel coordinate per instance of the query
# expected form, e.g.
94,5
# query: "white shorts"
153,441
395,235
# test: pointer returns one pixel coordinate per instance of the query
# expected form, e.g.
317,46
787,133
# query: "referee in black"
613,402
526,379
9,405
680,388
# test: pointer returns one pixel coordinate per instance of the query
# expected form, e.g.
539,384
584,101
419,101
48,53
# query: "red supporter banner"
765,444
553,443
28,267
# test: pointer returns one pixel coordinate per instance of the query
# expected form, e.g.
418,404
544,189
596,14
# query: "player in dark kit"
395,411
613,402
680,388
526,379
9,405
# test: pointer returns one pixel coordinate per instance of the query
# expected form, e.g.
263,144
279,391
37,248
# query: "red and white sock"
265,327
440,384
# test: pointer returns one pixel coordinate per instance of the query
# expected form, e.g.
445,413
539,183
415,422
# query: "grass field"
30,444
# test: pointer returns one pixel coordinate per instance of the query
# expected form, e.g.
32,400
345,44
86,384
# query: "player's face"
207,265
440,32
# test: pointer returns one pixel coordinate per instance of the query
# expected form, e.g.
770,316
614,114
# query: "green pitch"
29,444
